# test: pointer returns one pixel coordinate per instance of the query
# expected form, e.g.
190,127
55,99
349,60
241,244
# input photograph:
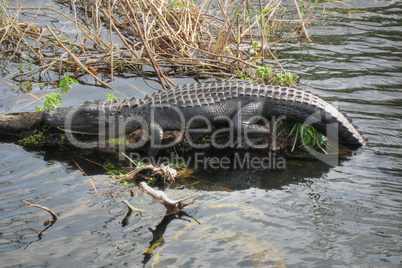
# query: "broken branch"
76,60
173,206
93,184
131,208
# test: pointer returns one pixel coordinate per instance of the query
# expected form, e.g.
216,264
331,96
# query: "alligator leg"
248,132
156,132
251,136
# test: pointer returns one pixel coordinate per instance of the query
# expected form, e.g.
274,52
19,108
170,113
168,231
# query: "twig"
77,60
302,21
263,27
128,46
150,54
111,40
160,34
33,96
54,216
131,208
277,61
93,184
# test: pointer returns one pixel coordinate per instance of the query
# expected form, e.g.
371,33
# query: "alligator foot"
250,136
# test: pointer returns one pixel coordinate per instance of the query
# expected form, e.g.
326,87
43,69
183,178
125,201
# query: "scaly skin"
243,103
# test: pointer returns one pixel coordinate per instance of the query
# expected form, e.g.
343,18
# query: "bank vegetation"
157,39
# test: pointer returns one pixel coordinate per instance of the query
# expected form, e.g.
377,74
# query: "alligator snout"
70,119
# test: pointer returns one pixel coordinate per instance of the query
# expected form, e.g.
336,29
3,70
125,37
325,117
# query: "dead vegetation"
201,39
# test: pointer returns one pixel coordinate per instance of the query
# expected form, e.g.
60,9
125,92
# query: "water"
308,215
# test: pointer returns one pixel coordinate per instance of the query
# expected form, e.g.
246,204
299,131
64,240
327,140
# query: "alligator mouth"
77,130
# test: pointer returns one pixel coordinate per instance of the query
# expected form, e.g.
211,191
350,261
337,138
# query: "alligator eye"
88,109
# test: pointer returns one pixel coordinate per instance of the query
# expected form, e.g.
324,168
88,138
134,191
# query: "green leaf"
63,83
111,96
65,89
74,81
182,5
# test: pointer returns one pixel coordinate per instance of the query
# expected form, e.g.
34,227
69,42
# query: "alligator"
243,106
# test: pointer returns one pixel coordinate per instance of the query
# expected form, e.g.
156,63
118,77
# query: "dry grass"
210,39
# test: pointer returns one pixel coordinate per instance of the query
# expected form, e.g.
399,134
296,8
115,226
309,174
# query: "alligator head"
92,117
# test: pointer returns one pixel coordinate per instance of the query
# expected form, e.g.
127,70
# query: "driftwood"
25,124
18,123
166,173
172,206
131,208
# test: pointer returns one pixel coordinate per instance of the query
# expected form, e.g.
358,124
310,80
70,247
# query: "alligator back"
295,104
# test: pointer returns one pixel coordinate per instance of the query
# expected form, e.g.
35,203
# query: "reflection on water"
308,215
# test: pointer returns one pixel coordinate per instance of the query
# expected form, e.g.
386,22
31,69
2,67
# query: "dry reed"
211,39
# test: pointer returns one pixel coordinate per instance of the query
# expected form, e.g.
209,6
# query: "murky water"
308,215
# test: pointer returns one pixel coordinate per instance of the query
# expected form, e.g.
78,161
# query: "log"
19,123
172,206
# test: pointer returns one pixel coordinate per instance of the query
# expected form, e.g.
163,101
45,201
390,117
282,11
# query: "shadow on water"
237,179
242,171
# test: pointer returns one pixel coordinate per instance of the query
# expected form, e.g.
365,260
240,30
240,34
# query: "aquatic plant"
307,135
35,139
54,100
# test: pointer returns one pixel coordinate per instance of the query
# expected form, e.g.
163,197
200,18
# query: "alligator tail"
304,107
